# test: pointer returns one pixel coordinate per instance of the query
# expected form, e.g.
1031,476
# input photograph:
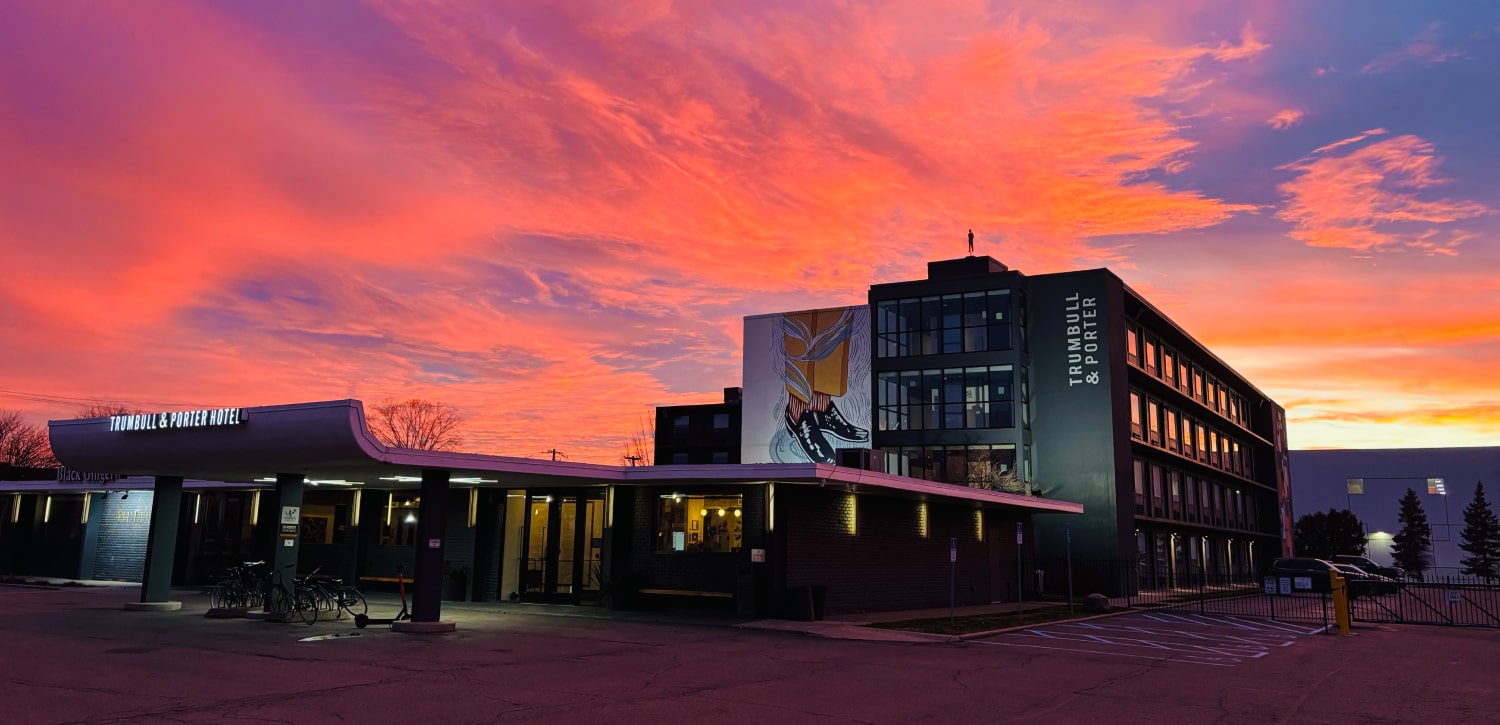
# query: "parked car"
1363,562
1307,574
1363,582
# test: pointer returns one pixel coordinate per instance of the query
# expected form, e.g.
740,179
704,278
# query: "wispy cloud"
1370,197
1424,49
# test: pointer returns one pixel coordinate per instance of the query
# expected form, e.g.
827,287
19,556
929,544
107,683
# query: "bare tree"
22,444
639,448
105,410
997,477
417,424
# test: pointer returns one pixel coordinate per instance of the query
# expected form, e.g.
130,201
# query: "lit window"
700,522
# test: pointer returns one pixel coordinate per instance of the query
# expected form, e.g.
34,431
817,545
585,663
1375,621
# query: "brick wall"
886,563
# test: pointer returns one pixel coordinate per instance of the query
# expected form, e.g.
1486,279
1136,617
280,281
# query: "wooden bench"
390,579
687,593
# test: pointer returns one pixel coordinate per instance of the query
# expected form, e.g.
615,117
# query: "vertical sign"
1018,532
953,549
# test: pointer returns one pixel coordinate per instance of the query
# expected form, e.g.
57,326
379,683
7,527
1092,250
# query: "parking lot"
1189,639
71,656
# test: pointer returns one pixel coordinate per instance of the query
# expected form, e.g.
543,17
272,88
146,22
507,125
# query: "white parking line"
1162,636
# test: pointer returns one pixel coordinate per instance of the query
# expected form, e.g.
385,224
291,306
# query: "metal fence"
1455,601
1128,584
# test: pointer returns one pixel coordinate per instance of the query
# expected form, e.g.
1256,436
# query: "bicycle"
332,595
287,602
239,589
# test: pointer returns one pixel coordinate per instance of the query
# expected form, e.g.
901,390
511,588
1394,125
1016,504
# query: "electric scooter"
361,621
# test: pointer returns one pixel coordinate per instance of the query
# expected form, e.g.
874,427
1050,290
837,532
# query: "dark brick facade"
886,563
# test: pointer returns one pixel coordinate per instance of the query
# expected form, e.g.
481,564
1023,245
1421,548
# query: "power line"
72,401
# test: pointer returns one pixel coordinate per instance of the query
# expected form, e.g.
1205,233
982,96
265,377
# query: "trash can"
799,604
819,599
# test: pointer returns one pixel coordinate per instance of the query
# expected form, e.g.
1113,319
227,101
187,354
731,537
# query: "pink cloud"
1251,44
1368,198
1424,49
1285,119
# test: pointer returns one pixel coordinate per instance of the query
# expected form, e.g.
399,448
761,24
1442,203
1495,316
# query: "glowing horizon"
555,218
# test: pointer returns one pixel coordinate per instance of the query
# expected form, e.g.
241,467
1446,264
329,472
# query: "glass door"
564,545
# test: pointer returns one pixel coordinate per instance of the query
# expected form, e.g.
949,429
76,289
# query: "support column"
288,524
432,528
161,544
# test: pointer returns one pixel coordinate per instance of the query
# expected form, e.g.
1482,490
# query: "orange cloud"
1352,201
1285,119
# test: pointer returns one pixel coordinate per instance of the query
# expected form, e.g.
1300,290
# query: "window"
1025,397
1191,499
1175,479
1171,429
1187,437
1140,486
1132,345
1202,443
721,421
1153,421
1213,447
1150,360
1168,367
398,527
1198,384
1156,494
700,522
1137,428
1183,376
719,457
969,322
979,466
680,424
952,398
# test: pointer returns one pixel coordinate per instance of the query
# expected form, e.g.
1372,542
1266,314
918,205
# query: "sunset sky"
555,215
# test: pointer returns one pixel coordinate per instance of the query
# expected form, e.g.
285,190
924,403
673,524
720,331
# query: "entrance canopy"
330,444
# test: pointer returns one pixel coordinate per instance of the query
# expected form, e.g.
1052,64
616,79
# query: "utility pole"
634,460
555,453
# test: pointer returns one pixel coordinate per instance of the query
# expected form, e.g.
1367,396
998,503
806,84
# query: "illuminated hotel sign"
211,418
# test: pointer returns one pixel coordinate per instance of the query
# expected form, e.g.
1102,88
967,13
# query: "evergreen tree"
1480,537
1414,542
1323,535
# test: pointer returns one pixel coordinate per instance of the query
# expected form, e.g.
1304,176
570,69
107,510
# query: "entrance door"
564,541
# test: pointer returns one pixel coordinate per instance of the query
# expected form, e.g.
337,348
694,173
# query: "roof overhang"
330,442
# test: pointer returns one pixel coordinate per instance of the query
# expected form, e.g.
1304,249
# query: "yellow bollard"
1340,602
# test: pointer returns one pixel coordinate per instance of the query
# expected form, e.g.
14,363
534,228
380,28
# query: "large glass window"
969,322
1168,367
1150,357
1132,345
979,466
713,523
1171,429
1153,421
721,421
398,525
952,398
1140,486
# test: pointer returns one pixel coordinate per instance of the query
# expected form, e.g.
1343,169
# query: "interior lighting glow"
255,507
922,519
851,515
47,511
402,479
87,497
354,515
197,507
411,518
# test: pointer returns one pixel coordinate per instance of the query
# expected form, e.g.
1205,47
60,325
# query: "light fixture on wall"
721,512
411,518
736,513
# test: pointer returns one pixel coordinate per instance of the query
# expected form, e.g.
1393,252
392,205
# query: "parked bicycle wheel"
354,602
282,601
307,606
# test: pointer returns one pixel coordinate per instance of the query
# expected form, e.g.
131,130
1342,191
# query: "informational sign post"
952,575
291,516
1020,578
